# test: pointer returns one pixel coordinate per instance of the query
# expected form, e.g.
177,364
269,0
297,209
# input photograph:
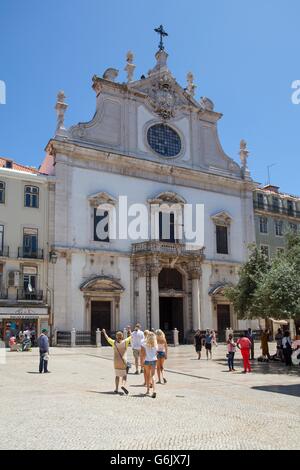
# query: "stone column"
154,297
141,313
196,299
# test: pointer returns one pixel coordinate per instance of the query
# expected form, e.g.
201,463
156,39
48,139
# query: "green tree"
250,277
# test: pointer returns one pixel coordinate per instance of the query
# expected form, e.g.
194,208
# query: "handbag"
128,364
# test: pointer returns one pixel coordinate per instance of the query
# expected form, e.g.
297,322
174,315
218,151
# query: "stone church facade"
152,143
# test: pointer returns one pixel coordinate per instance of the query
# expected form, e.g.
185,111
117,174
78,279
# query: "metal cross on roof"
162,33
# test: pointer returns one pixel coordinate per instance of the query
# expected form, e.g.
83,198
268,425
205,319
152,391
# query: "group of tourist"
150,350
206,340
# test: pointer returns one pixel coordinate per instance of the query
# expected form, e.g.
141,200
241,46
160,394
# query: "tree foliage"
269,289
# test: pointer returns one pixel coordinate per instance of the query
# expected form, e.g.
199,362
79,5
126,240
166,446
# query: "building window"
167,227
1,239
263,225
30,243
164,140
265,250
290,208
279,228
2,192
222,239
31,196
101,225
260,201
275,202
293,227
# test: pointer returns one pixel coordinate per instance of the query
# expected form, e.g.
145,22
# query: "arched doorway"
171,296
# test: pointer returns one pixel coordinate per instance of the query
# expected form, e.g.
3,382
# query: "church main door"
171,302
100,318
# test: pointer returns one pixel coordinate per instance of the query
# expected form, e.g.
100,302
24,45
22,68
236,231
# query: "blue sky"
244,56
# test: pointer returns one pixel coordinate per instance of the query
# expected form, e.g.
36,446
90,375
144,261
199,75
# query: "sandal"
125,390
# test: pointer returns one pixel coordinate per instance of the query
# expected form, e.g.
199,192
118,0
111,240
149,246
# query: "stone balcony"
160,247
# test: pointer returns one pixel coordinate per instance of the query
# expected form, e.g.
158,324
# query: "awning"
280,322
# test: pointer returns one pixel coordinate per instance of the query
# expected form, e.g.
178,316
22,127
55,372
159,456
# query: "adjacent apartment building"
23,249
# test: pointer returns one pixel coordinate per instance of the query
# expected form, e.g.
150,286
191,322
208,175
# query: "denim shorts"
150,363
161,355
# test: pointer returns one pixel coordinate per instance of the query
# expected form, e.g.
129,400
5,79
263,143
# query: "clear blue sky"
244,55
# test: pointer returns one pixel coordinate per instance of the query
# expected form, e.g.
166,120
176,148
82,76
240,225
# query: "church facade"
124,187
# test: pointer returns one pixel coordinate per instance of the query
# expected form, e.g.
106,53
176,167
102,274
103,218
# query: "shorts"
136,353
150,363
208,346
198,348
161,355
120,372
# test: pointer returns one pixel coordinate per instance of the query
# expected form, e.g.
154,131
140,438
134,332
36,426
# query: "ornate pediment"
222,218
102,198
102,284
167,197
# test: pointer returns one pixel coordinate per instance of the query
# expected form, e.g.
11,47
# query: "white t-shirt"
136,339
151,353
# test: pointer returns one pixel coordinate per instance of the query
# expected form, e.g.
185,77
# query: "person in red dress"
244,344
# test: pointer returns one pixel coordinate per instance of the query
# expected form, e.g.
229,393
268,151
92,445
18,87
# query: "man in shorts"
137,337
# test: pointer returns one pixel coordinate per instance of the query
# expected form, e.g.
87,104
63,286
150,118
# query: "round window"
164,140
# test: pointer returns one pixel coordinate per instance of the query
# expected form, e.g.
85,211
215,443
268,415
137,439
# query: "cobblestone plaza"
201,407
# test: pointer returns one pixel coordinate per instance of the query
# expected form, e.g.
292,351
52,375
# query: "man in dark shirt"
43,342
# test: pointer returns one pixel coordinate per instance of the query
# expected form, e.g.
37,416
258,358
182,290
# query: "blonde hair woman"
162,355
120,346
150,347
143,356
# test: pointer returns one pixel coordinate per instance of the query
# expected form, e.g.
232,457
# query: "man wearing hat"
43,342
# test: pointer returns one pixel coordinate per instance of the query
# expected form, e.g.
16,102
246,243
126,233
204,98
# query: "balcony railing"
33,254
3,294
23,294
276,209
156,246
4,252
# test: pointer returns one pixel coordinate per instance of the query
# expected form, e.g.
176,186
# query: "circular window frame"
154,122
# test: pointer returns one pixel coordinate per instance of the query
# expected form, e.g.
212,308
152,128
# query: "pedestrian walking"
151,348
143,356
43,343
207,343
119,346
265,344
231,349
137,337
162,355
244,344
214,338
287,348
198,341
279,349
250,335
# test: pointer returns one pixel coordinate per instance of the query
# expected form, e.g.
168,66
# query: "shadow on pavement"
271,367
292,390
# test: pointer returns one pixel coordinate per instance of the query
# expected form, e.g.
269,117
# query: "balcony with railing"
32,254
4,252
34,295
156,246
276,209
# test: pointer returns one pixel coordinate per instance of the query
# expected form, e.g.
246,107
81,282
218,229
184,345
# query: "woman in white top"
162,355
150,347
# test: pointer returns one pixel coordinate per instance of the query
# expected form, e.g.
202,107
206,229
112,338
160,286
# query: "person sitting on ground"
137,337
119,346
162,355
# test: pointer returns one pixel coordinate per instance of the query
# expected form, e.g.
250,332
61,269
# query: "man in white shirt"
137,337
